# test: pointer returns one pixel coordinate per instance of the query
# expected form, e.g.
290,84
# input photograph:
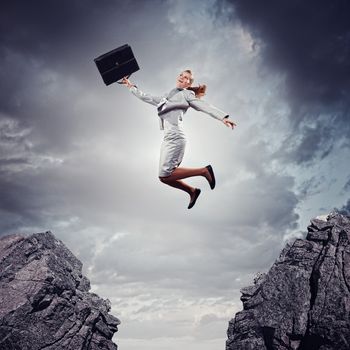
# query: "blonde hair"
199,90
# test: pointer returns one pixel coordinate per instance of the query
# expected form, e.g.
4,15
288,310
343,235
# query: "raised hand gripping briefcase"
116,64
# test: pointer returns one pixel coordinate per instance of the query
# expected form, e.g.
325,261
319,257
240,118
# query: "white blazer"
173,106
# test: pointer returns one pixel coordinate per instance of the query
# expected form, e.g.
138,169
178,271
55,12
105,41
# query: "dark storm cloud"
46,28
55,36
347,185
46,62
17,206
39,43
311,141
309,42
345,209
35,35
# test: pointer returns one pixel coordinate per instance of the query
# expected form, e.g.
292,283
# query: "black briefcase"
116,64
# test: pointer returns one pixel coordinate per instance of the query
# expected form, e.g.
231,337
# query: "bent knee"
163,179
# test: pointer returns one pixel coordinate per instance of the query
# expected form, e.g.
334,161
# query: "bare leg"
193,192
178,184
181,173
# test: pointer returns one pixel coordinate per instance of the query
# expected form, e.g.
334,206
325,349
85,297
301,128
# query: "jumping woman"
171,108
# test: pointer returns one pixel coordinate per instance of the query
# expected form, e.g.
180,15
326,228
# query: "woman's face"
183,81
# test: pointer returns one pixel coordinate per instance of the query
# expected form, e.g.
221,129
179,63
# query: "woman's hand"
127,82
229,123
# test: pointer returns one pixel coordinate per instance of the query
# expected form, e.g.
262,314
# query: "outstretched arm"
153,100
202,106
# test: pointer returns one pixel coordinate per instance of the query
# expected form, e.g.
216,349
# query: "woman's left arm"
202,106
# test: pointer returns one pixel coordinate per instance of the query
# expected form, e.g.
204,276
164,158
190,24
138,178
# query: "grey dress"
171,108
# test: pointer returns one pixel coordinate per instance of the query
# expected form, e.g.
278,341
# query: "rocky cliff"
303,302
45,301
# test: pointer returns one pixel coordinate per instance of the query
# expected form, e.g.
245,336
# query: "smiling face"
184,80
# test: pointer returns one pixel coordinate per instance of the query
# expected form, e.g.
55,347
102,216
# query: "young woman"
171,108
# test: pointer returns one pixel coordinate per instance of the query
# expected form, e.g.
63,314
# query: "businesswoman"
171,108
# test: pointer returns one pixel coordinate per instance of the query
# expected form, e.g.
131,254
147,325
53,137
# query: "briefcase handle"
127,77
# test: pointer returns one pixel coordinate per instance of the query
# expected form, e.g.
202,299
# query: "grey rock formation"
303,302
45,301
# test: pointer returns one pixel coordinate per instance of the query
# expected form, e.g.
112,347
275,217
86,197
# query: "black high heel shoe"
211,172
197,192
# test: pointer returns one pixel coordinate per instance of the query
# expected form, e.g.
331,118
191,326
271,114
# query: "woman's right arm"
153,100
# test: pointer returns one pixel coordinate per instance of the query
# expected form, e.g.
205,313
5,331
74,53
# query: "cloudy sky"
81,159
